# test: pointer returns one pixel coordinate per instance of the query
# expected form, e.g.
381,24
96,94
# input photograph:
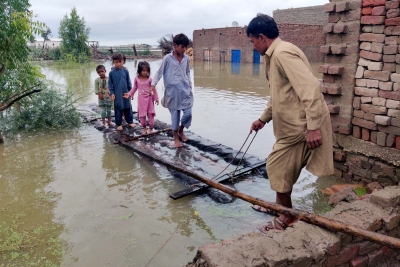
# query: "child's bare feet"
132,125
182,135
103,124
176,140
110,124
144,131
119,128
150,130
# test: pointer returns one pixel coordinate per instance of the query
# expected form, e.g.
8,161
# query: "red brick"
372,186
363,91
390,49
334,109
347,253
339,50
379,11
365,134
323,68
340,28
373,3
333,18
367,108
359,262
328,28
366,11
392,30
372,20
350,16
392,13
366,100
391,40
392,4
387,86
386,251
372,37
374,137
389,130
357,102
382,120
371,55
364,123
390,95
377,75
397,142
389,66
394,113
369,117
395,122
342,6
329,7
358,113
357,132
345,129
381,140
390,140
335,70
327,78
325,49
392,22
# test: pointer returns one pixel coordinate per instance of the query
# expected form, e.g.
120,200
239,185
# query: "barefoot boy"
119,83
101,89
178,94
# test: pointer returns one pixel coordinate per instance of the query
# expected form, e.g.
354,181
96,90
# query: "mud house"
231,43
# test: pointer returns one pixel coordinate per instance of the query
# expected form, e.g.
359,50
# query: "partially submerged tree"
74,37
46,34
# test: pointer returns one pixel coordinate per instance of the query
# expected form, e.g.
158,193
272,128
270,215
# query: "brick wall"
361,84
309,38
312,15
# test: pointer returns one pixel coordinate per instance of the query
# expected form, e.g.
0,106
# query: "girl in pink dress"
146,100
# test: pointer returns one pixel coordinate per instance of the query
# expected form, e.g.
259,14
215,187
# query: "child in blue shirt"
119,83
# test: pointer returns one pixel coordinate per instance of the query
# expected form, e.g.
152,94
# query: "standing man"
302,125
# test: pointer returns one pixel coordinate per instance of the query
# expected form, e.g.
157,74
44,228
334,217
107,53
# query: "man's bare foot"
119,128
182,135
144,131
177,144
132,125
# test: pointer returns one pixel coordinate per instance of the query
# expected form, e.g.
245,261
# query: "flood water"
75,199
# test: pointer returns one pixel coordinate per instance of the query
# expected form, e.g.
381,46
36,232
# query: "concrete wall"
312,15
361,84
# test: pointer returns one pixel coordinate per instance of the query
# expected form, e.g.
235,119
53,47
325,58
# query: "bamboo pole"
300,215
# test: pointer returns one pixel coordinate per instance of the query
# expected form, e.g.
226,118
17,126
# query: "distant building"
51,44
231,44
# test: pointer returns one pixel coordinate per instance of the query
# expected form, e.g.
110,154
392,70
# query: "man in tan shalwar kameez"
302,125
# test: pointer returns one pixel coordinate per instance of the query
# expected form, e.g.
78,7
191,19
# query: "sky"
122,22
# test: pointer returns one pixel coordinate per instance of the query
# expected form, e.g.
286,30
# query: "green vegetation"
50,109
360,191
74,37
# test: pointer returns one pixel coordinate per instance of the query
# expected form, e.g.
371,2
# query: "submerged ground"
76,199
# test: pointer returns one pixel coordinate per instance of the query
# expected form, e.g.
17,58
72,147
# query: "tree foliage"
74,37
46,34
18,27
166,43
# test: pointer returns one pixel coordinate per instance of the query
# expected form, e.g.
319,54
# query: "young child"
142,84
101,89
119,83
178,94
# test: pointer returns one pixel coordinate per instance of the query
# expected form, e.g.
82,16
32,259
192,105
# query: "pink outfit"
145,100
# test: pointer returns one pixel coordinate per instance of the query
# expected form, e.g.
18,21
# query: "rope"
216,176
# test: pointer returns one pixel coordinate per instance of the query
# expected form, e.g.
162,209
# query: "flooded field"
75,199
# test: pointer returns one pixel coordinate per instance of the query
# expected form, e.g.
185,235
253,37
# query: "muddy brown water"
75,199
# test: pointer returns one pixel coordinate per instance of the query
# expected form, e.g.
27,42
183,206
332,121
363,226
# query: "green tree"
74,37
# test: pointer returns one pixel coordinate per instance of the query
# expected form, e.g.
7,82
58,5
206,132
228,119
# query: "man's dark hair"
100,67
181,39
263,24
117,57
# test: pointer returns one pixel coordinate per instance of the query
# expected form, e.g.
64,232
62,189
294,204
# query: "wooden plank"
201,186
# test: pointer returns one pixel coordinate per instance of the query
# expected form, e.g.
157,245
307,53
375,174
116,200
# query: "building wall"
312,15
309,38
361,84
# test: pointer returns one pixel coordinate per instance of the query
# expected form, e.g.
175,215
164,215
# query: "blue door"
236,56
256,57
